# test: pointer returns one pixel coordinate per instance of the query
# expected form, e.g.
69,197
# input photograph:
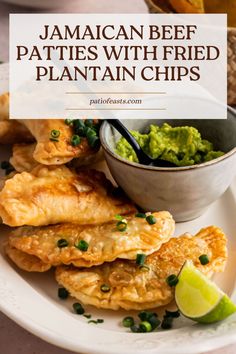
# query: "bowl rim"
115,156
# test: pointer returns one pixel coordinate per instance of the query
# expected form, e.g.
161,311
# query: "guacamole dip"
183,146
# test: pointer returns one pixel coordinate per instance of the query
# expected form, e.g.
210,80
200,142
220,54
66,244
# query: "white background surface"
13,339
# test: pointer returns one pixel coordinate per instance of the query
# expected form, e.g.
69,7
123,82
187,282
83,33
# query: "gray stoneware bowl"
185,191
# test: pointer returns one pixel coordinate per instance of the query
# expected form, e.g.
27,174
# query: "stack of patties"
106,253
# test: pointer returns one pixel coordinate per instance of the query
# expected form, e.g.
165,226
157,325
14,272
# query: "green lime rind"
199,299
195,294
224,309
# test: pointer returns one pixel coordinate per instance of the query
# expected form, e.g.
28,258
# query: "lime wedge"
200,299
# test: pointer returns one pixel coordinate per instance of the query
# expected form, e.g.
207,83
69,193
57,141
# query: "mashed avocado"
181,145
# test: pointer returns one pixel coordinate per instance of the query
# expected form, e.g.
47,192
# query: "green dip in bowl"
182,145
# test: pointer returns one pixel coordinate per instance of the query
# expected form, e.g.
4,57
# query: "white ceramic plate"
31,301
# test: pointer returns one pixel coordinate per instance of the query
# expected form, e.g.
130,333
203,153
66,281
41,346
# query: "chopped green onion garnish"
119,217
75,140
145,326
5,165
82,245
93,141
167,322
78,308
79,127
105,288
145,315
92,137
151,219
80,132
55,134
90,132
128,322
173,314
78,123
63,293
97,125
54,139
62,243
204,259
140,259
89,123
87,316
100,320
140,215
172,280
135,329
154,321
68,121
121,226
